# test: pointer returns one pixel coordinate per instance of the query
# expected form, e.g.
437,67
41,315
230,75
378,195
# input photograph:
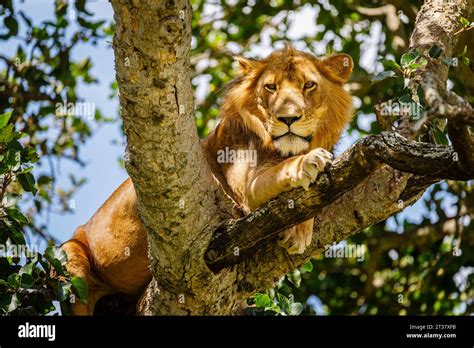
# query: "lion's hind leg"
79,265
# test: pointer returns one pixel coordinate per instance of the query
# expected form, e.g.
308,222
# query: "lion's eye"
271,87
309,85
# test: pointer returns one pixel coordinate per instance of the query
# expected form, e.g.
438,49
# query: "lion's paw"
297,238
313,163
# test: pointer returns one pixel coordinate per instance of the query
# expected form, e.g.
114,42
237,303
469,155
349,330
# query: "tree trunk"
203,262
177,197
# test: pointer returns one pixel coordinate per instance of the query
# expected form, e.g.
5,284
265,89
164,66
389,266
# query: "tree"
209,263
202,261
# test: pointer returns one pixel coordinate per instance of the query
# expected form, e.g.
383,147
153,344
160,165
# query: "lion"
279,121
290,109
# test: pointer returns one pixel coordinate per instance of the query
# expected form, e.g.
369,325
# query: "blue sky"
102,171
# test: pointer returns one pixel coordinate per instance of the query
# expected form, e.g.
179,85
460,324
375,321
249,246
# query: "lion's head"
292,100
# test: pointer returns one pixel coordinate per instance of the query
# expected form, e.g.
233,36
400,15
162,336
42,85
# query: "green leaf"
280,282
295,277
26,281
81,6
10,200
81,288
27,182
57,257
465,60
7,134
14,303
295,308
383,75
407,59
274,308
46,265
464,21
16,215
405,99
4,118
13,159
388,63
12,25
263,300
400,84
44,180
271,293
307,267
27,268
61,290
420,64
440,137
14,280
30,154
17,235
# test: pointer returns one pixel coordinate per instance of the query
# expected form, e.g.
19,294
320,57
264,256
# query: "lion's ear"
247,65
338,67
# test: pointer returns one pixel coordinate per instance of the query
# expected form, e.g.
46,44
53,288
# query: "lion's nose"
289,119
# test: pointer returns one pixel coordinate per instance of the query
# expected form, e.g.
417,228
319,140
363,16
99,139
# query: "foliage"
280,300
39,85
29,281
418,263
38,88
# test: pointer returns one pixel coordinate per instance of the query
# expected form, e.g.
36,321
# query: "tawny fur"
110,251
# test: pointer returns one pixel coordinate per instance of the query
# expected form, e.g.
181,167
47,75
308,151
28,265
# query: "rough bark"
202,261
176,196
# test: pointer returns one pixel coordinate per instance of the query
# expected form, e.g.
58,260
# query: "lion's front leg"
298,171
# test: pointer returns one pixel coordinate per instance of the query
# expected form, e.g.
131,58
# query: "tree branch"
392,19
350,169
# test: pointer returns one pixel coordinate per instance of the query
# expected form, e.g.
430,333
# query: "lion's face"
295,94
289,94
